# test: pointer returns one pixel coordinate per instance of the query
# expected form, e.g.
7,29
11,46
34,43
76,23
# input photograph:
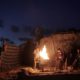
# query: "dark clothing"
77,64
60,58
69,59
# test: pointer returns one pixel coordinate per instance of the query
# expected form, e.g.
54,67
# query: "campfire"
43,54
40,57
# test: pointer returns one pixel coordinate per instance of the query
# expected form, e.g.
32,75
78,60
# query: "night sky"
51,14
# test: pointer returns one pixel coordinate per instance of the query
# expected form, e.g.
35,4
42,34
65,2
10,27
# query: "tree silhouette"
1,24
15,29
3,40
11,42
27,29
72,30
0,50
38,33
23,38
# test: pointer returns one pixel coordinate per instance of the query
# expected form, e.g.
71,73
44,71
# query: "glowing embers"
43,53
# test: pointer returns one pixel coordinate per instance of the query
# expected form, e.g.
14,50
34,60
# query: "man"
36,58
77,60
59,57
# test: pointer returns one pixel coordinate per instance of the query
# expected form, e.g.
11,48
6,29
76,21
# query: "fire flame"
43,53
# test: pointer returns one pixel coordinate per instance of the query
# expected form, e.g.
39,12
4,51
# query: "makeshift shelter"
66,42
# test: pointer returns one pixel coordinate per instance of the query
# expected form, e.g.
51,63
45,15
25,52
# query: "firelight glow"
43,53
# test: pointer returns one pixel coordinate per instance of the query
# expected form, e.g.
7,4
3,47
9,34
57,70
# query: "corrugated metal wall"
10,57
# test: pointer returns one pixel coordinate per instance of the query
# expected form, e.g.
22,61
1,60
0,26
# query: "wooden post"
34,63
65,65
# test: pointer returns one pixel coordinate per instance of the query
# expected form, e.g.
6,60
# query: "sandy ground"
60,75
31,74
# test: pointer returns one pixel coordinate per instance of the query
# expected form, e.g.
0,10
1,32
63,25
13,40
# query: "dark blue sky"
52,14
